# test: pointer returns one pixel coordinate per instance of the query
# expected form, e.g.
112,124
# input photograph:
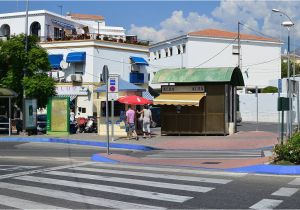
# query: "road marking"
111,189
285,191
43,170
75,197
155,175
266,204
176,170
295,182
134,181
24,204
18,168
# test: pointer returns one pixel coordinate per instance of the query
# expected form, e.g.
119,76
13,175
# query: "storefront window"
118,108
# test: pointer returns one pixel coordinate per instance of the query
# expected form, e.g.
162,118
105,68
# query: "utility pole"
239,46
61,9
25,68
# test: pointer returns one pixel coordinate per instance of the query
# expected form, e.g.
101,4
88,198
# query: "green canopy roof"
5,92
232,75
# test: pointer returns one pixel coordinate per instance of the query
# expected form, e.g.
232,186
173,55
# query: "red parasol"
134,100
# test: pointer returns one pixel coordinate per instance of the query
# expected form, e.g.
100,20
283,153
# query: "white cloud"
255,14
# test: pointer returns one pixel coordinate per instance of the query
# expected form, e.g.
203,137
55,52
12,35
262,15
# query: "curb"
79,142
100,158
268,169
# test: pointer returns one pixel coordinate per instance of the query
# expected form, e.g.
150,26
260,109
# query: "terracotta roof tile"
230,35
86,17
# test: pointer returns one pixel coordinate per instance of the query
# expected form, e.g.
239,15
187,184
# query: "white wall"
267,107
261,60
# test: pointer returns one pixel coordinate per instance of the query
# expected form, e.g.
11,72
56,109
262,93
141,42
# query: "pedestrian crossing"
106,186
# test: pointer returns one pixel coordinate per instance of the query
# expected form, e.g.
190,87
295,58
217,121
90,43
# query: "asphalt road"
44,175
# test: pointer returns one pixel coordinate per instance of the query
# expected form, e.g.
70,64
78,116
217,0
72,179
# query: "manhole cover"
211,162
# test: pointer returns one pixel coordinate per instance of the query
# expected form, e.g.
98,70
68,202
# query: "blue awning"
76,57
63,25
123,86
55,60
139,61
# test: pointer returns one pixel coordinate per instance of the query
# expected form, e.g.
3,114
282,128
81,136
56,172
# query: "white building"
77,53
260,57
51,26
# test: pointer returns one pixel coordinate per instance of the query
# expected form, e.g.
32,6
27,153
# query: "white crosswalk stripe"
133,181
172,170
24,204
74,197
285,191
111,189
295,182
266,204
155,175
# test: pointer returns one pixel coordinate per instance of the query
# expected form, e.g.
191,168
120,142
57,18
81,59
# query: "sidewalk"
243,140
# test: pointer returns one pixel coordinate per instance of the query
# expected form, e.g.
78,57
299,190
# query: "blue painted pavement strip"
79,142
268,169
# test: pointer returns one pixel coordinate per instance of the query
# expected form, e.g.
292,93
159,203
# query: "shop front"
200,101
125,89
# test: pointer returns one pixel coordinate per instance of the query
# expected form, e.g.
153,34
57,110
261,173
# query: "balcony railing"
93,36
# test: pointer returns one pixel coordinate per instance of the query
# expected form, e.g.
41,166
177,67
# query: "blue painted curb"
268,169
99,158
79,142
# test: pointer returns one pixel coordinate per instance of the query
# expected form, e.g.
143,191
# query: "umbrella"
134,100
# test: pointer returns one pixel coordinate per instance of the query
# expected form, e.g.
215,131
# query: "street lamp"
288,25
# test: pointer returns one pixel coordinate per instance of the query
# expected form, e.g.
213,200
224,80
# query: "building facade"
259,58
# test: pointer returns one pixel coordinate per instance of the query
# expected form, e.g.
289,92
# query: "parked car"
41,123
155,116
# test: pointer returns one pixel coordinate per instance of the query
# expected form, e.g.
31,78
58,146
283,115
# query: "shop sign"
72,90
30,113
182,89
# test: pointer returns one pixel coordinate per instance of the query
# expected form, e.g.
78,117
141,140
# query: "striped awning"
179,99
147,95
72,97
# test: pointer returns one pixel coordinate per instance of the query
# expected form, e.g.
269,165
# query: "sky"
160,20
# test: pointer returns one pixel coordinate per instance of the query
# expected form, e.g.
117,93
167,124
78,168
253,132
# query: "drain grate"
211,162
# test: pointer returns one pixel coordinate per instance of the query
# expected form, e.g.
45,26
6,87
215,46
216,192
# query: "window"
57,33
183,48
171,51
178,49
119,109
79,68
159,55
235,49
167,52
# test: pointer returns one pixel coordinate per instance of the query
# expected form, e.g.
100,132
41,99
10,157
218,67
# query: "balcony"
136,78
93,36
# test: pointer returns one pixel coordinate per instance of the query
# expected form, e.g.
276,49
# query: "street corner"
102,158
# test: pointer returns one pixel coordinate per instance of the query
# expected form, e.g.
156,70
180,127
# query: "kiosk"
200,101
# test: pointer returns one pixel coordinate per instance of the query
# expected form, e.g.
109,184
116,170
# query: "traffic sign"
113,83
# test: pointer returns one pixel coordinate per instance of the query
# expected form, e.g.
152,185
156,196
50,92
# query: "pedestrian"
130,121
147,119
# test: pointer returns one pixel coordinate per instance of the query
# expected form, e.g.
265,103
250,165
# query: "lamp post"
288,25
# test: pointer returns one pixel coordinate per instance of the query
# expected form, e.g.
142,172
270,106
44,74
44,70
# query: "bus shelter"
8,94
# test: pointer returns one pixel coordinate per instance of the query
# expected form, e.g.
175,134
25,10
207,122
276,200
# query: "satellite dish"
64,65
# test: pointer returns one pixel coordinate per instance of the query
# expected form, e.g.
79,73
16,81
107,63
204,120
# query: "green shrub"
289,151
270,89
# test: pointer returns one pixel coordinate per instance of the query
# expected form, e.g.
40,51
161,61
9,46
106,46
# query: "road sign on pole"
113,95
113,87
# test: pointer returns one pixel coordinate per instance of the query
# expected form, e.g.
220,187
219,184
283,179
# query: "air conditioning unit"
76,77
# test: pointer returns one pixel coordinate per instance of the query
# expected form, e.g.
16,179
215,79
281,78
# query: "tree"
284,68
14,60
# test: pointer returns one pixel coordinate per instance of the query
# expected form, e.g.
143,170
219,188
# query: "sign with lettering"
182,89
72,90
